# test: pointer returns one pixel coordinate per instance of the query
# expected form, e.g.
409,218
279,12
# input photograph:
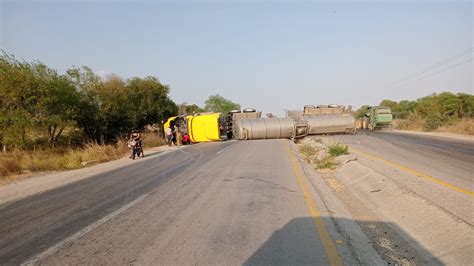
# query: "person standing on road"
178,135
169,136
173,133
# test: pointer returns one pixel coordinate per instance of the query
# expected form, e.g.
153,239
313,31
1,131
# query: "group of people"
176,136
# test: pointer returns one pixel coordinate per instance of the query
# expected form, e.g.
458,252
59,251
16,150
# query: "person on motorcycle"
135,137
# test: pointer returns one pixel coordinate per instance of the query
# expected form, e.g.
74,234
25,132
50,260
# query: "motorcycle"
136,147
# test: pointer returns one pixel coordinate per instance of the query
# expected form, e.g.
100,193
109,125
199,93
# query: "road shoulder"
403,224
352,244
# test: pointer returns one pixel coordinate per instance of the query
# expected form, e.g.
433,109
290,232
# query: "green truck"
377,117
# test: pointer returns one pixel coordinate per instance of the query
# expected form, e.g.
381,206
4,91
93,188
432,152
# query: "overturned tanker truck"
320,119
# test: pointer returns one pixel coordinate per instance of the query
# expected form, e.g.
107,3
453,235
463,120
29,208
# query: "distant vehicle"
377,117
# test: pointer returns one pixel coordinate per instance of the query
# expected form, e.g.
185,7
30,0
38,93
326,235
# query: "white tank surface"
326,124
264,128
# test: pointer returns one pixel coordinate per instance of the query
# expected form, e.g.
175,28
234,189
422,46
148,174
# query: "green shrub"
338,149
432,122
307,150
326,163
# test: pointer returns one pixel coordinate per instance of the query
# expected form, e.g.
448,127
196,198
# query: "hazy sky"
271,55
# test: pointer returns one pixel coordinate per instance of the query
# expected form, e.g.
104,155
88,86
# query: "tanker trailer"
327,124
269,128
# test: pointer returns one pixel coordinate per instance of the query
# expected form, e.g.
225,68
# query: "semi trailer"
248,124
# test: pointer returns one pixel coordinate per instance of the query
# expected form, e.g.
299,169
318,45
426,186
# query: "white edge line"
50,251
224,149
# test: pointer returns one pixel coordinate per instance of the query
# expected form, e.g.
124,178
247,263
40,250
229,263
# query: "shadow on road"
297,243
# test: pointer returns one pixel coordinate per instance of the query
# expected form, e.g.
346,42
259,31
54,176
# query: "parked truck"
377,117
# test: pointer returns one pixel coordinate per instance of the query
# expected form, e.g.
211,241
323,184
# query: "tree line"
434,110
39,105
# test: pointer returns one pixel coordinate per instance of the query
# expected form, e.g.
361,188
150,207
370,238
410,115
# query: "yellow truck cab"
202,127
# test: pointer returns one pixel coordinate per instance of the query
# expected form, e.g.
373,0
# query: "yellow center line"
326,239
417,173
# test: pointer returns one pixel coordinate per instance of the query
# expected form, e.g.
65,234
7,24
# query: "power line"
432,74
434,66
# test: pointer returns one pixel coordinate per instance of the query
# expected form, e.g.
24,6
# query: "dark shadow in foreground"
297,243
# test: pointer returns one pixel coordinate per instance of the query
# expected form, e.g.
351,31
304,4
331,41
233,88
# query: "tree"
404,109
449,104
466,105
150,103
90,119
34,98
388,103
15,77
361,111
219,104
193,108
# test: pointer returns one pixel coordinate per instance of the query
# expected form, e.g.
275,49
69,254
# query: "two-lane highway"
216,203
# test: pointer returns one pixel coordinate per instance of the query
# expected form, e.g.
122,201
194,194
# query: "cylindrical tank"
264,128
236,111
324,124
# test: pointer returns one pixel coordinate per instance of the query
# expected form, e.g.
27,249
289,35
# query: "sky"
270,55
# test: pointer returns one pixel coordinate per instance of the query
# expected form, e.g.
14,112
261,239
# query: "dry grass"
465,127
307,150
152,139
17,162
409,124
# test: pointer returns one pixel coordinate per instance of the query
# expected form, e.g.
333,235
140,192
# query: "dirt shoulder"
43,181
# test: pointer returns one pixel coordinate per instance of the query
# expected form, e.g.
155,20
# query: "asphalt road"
450,160
215,203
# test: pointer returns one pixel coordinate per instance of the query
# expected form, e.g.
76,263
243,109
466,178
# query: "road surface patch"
326,240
